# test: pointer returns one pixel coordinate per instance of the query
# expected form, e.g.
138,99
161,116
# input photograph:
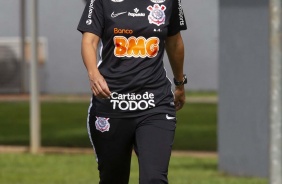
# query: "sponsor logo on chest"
139,47
136,13
123,31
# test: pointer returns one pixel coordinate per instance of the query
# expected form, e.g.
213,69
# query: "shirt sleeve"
92,19
177,20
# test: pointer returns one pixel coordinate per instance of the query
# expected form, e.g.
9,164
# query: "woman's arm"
175,52
98,84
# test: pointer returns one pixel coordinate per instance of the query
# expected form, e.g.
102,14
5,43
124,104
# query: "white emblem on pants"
102,124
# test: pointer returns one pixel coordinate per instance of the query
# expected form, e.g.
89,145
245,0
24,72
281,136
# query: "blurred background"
61,70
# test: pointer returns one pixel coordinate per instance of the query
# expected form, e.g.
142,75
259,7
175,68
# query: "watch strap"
180,83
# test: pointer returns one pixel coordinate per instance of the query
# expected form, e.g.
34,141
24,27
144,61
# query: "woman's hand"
99,86
179,97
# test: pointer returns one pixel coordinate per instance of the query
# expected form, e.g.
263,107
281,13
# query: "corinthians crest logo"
102,124
157,14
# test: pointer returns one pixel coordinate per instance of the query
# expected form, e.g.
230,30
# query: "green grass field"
81,169
64,124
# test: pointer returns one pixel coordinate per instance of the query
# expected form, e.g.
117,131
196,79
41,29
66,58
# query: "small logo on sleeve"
102,124
181,14
91,7
89,22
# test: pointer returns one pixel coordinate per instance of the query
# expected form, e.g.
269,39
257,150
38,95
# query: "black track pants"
113,139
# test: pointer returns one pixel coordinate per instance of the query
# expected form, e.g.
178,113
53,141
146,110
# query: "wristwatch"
180,83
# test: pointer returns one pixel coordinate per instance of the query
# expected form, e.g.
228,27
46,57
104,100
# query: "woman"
132,104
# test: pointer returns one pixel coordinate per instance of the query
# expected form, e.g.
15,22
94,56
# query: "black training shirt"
133,34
